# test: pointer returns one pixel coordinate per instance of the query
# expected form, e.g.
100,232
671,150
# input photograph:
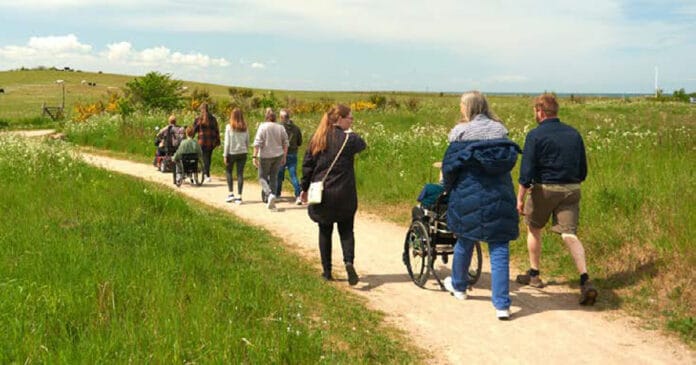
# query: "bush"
155,91
379,100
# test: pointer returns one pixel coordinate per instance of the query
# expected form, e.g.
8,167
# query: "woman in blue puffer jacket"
482,203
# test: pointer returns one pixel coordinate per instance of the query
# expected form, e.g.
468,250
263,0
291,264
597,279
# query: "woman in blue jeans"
482,202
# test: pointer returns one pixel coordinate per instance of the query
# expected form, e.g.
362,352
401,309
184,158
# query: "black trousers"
207,154
345,231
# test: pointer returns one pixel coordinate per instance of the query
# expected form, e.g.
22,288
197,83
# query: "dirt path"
547,326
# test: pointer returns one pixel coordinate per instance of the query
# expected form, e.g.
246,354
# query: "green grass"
638,211
101,268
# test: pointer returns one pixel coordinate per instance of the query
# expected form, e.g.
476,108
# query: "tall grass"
100,268
638,211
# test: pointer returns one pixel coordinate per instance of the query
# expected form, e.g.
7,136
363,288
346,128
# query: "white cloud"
160,55
53,46
59,44
118,51
258,65
119,57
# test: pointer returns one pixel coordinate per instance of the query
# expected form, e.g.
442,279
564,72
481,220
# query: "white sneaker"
230,198
271,201
460,295
208,179
298,201
502,314
238,201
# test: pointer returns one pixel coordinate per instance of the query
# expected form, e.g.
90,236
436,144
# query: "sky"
590,46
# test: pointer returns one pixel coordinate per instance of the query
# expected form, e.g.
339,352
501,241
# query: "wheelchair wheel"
475,267
177,178
198,173
417,254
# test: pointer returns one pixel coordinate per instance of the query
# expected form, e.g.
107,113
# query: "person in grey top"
294,141
270,150
234,152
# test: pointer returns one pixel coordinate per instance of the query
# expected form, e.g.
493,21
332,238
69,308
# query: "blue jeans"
291,165
500,269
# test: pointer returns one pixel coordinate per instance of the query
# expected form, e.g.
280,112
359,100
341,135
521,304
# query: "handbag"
316,189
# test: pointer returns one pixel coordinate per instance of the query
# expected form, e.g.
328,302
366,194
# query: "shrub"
198,97
412,104
379,100
155,91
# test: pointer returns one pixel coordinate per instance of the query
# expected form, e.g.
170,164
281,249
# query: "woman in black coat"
340,198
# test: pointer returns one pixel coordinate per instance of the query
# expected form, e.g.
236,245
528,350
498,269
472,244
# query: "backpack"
172,138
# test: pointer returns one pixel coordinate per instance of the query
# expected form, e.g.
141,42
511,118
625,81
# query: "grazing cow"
83,82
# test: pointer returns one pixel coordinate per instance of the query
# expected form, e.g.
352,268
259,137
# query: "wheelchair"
190,167
428,238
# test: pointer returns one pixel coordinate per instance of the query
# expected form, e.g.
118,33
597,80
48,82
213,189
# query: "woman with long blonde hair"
234,152
330,158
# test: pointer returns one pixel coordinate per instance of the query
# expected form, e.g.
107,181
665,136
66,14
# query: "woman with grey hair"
270,150
482,202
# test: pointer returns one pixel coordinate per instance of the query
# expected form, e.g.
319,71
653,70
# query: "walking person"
270,149
334,144
206,126
168,139
553,166
234,153
476,171
294,141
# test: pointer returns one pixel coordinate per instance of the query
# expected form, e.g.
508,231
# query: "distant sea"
562,95
596,95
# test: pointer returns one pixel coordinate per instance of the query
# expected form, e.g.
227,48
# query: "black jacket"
340,199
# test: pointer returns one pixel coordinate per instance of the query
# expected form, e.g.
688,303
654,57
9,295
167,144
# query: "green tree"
155,91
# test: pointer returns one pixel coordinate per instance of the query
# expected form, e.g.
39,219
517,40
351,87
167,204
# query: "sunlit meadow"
97,267
638,211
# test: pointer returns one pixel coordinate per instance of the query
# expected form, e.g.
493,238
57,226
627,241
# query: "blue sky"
589,46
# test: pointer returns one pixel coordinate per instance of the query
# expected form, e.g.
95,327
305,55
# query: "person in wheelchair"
482,201
188,146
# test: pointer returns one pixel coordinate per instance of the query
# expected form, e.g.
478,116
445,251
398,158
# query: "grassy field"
638,209
102,268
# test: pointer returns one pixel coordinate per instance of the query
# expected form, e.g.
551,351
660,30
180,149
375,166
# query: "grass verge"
101,268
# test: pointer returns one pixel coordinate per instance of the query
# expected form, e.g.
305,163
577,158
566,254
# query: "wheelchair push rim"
417,255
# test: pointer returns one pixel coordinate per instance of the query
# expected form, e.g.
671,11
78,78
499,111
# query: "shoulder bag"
316,189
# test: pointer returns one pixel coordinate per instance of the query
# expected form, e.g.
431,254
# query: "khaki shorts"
560,201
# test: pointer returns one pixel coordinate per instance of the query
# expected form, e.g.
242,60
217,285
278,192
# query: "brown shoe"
588,294
528,279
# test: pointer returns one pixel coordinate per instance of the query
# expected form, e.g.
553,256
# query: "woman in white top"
270,150
235,152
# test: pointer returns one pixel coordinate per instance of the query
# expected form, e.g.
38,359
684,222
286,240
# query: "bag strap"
335,159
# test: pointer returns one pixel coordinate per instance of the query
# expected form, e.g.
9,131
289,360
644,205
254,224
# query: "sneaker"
460,295
502,314
208,179
298,201
352,275
327,276
238,201
271,201
588,294
230,198
528,279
